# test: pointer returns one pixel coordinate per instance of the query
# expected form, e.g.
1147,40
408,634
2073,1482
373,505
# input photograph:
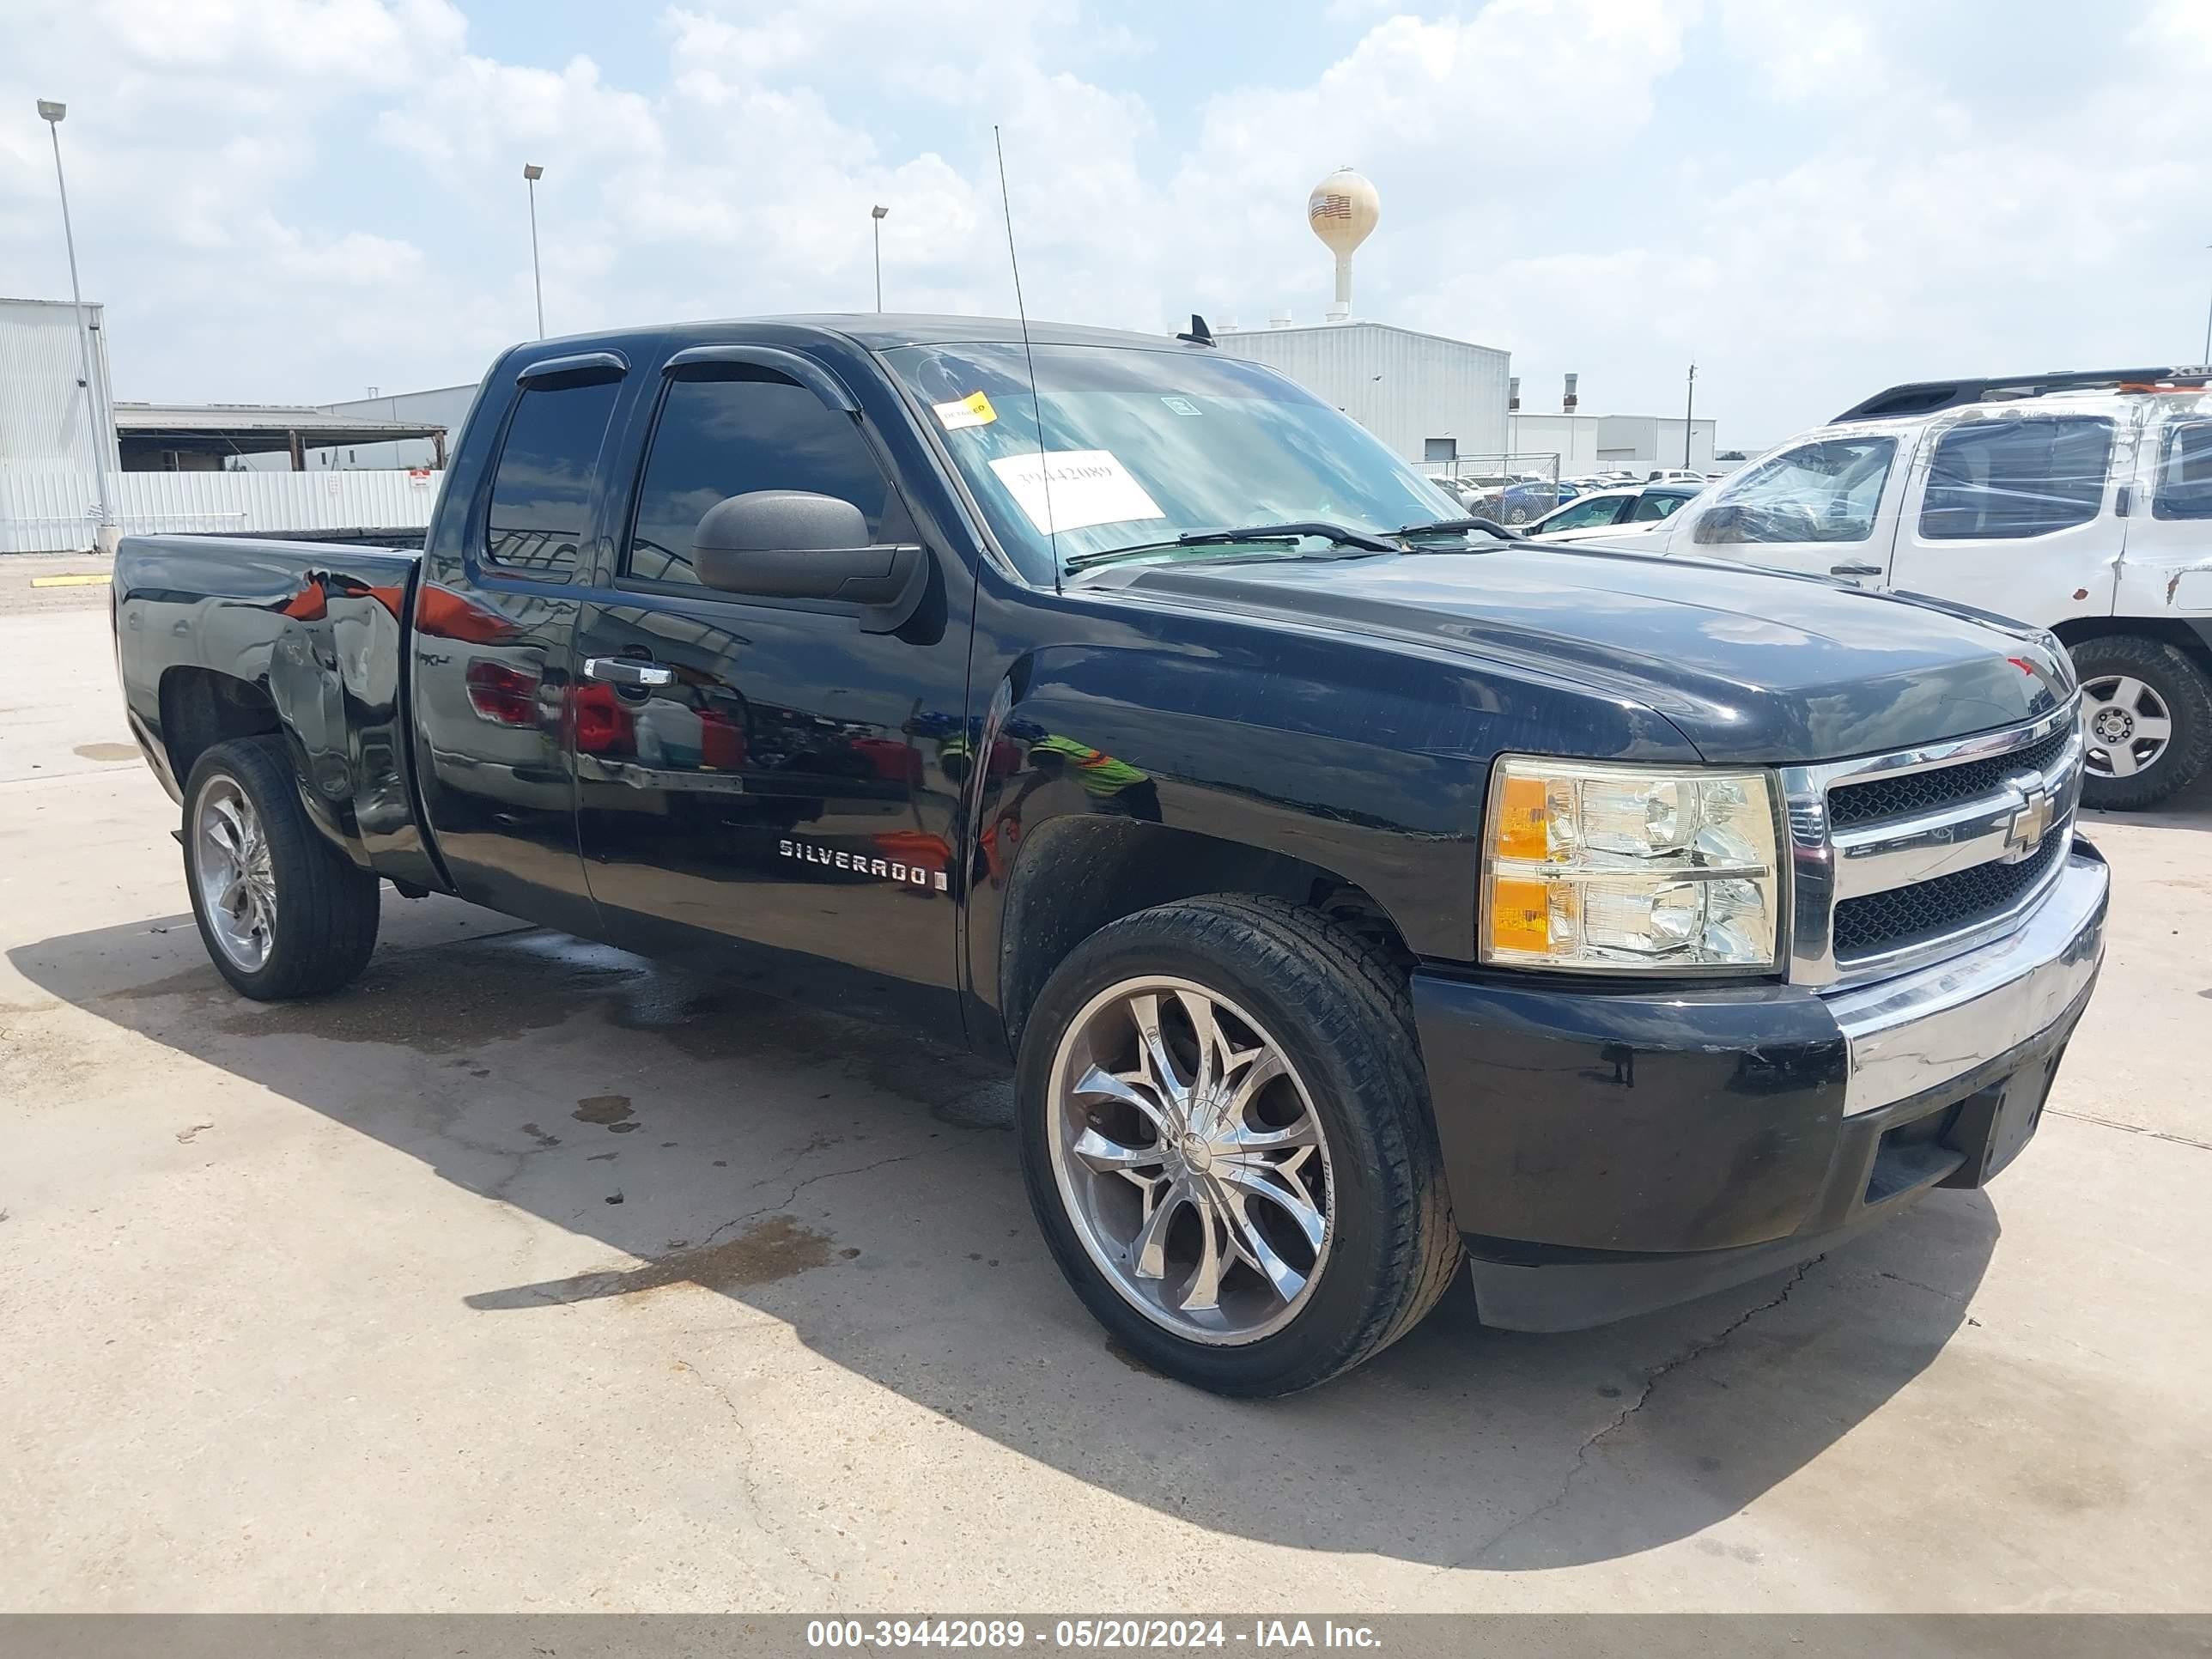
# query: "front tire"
1224,1129
282,911
2146,721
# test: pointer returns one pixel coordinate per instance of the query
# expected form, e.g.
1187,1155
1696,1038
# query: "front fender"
1252,763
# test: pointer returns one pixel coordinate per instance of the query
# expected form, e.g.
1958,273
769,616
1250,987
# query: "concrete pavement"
529,1275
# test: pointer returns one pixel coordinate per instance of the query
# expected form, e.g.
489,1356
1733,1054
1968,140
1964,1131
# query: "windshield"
1147,445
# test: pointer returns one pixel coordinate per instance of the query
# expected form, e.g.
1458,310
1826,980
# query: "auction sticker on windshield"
1083,487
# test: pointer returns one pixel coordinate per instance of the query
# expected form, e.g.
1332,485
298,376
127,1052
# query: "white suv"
2081,503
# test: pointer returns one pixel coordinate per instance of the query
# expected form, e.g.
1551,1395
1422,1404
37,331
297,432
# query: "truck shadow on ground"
862,1186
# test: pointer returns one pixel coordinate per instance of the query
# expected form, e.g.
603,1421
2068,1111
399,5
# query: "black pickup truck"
1356,892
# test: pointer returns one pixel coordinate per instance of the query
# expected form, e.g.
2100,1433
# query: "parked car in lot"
1610,511
2079,502
1359,897
1521,502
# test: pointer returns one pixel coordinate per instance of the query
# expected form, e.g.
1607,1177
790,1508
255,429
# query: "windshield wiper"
1336,535
1444,526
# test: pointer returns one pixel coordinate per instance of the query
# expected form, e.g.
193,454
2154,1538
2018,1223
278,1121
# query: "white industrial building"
1610,443
66,446
1428,398
48,436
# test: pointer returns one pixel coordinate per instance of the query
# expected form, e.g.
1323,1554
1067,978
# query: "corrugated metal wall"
51,509
42,414
1402,386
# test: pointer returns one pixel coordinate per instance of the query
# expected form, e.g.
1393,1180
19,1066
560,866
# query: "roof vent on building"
1279,319
1567,404
1513,394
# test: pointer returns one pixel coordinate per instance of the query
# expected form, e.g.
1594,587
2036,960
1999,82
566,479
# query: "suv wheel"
2146,721
1225,1134
282,911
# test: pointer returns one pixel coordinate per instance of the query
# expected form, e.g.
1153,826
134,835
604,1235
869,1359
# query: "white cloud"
290,198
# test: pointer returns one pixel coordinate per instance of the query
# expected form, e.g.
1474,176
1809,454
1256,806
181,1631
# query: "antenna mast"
1036,402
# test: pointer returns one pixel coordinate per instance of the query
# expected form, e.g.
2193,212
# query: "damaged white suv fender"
2081,502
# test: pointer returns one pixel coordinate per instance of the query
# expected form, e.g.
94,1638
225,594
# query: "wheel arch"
201,708
2191,636
1079,872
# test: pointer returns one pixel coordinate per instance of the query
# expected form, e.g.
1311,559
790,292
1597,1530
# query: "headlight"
1595,867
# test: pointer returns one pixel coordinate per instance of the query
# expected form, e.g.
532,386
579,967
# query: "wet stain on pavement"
773,1248
707,1019
608,1110
449,1000
453,998
539,1135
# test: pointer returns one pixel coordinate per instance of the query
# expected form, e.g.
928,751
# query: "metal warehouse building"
1428,398
1601,443
66,447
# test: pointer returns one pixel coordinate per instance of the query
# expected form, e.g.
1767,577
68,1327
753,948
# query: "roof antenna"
1036,402
1198,334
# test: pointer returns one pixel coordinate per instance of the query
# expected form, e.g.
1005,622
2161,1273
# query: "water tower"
1342,211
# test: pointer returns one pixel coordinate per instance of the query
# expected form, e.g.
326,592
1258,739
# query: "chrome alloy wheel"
238,888
1188,1155
2126,726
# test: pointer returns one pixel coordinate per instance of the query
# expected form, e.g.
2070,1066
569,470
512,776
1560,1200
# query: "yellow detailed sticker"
974,409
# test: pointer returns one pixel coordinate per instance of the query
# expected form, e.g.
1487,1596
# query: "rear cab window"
541,492
2017,476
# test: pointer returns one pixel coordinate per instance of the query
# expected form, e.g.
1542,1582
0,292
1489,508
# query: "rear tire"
282,913
1268,976
2148,709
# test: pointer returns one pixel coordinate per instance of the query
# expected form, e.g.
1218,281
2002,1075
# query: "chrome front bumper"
1919,1030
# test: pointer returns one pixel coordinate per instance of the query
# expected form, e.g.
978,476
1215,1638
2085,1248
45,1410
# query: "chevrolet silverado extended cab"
1357,893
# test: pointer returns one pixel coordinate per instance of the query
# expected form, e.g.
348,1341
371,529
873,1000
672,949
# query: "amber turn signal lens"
1522,820
1520,913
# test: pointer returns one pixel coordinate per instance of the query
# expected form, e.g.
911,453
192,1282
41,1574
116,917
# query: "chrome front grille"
1914,793
1900,860
1874,922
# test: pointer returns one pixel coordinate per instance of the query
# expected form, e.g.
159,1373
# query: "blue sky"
295,199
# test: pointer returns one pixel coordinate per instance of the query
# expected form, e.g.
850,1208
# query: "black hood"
1751,665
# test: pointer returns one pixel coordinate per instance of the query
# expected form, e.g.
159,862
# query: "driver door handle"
1855,570
628,671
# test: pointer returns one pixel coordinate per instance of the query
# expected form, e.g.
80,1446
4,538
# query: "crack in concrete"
1694,1351
2129,1128
791,1197
774,1531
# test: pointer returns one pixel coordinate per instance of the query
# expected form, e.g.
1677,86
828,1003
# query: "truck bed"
224,636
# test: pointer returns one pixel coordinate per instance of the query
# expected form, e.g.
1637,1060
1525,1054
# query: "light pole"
877,214
532,172
1689,407
51,113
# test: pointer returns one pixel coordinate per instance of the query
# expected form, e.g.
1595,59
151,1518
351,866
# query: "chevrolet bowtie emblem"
2031,819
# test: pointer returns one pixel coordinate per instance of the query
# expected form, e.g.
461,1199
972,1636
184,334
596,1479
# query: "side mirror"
1720,523
794,544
